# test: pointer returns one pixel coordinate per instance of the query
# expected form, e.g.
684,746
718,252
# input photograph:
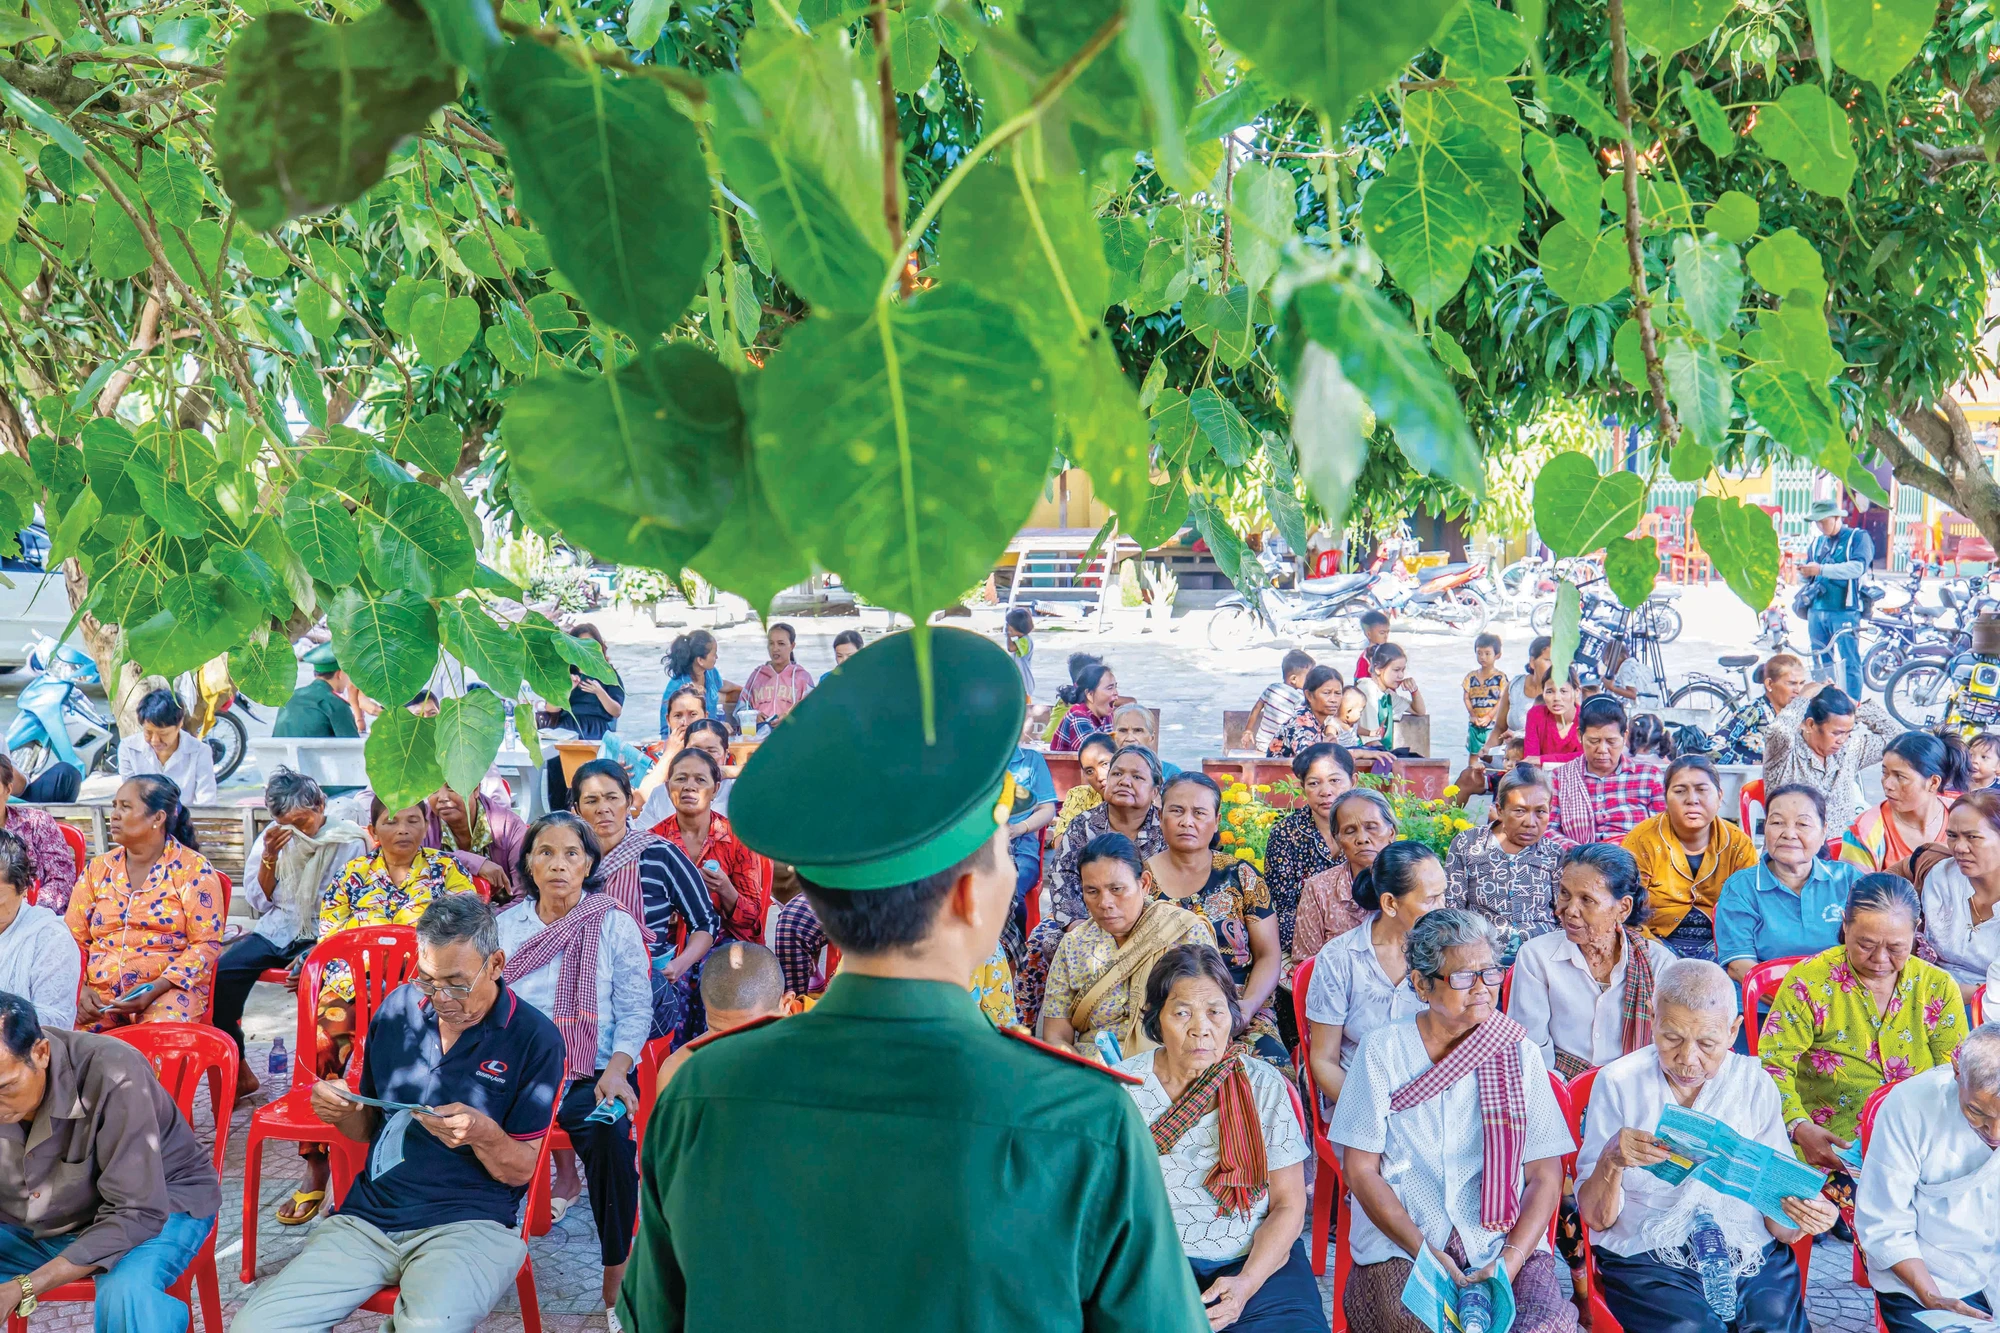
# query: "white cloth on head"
1929,1189
1204,1234
1350,988
1964,949
306,866
1434,1154
39,962
1630,1093
1554,996
624,978
191,766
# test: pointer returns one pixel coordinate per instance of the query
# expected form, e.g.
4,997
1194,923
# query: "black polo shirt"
508,1066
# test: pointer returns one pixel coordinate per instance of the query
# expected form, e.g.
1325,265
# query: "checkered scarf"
1579,821
573,939
1240,1176
1491,1053
1636,1014
619,873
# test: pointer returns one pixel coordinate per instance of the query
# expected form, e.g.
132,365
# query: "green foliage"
1742,541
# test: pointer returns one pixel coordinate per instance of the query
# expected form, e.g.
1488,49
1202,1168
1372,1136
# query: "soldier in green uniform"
317,709
889,1161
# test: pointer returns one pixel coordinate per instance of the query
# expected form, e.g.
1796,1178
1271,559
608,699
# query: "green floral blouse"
1827,1049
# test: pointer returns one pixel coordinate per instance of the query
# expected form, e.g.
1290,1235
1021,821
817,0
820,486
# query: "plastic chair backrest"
1868,1110
1579,1101
1301,984
380,958
183,1055
483,887
1759,982
77,847
1976,1011
1506,987
1752,795
647,1083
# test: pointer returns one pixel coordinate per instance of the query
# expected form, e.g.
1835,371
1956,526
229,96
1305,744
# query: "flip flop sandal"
310,1201
559,1209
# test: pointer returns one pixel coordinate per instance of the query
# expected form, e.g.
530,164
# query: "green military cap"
846,789
322,660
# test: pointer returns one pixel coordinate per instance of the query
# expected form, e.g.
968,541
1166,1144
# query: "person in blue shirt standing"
1034,810
1840,555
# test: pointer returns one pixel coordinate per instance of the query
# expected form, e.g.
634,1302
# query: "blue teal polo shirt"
1758,918
508,1066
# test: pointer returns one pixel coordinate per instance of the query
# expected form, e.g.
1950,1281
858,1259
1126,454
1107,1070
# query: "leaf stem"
682,82
892,135
1045,96
906,475
1083,327
1649,343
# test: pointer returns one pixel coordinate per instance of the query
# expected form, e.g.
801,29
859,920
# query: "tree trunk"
1959,476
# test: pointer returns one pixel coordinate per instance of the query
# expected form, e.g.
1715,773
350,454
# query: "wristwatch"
28,1301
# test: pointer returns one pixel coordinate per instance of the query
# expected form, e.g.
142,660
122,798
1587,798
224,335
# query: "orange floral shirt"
169,927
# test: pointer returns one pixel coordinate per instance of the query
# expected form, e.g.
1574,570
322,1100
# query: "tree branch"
1908,468
1940,160
56,85
1649,342
145,340
682,82
13,430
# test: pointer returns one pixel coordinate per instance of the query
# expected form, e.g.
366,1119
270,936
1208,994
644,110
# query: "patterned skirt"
1374,1297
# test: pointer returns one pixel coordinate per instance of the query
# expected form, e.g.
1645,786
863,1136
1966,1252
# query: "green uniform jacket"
315,710
889,1163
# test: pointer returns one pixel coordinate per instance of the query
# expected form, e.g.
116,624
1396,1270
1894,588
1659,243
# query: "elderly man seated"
741,984
1930,1190
99,1175
1645,1228
433,1211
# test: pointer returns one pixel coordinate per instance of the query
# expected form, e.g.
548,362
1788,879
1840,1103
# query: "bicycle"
1724,720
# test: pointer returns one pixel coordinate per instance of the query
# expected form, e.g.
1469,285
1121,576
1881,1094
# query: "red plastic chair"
381,958
1601,1320
77,847
1752,797
1868,1110
384,1301
1761,981
1329,1185
1506,987
1976,1011
183,1055
645,1082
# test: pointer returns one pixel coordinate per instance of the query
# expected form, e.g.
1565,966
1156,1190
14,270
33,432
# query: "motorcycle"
213,718
57,723
1311,607
1446,594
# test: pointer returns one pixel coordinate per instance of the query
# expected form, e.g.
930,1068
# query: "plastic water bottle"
1475,1309
281,1063
1107,1046
1711,1257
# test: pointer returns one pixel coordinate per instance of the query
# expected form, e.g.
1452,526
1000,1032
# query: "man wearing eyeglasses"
460,1080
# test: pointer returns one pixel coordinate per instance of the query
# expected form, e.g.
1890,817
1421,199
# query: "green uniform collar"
900,999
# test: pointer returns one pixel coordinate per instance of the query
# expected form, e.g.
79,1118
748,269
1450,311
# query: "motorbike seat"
1443,571
1336,583
1924,612
1735,660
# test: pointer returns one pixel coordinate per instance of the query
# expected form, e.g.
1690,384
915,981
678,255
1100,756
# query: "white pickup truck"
32,600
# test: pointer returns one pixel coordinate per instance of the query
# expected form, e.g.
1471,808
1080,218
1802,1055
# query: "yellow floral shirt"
365,895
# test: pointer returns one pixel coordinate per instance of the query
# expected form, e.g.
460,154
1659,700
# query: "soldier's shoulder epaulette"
1063,1053
710,1037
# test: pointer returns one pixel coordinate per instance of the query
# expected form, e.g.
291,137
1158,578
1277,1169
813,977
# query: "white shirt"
1630,1093
1350,988
1556,999
280,925
624,979
1203,1234
1964,950
1434,1154
191,766
1929,1189
40,963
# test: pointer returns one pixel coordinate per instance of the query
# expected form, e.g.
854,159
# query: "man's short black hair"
874,921
20,1027
1600,711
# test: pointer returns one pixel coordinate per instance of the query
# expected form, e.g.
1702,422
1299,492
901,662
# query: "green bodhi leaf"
905,448
1785,262
1711,122
468,737
1668,26
1584,267
309,110
402,757
1792,410
1632,567
1573,98
1577,511
1566,633
1699,385
1708,275
1428,214
1567,175
613,176
1328,51
419,542
1691,461
1227,431
1629,354
1874,39
1743,543
1808,132
1734,217
489,649
1481,40
265,668
387,645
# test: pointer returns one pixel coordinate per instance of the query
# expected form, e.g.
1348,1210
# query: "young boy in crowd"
1279,703
1375,629
1020,646
1983,752
1485,687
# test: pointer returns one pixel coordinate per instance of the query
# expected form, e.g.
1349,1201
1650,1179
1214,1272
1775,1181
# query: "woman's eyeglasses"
1463,980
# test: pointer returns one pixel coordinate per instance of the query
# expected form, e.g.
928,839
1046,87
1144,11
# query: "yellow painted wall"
1084,510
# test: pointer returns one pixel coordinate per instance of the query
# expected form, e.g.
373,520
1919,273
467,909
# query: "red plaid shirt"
1619,803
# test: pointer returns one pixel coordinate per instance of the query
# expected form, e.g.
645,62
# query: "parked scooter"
1446,594
226,736
1313,607
57,723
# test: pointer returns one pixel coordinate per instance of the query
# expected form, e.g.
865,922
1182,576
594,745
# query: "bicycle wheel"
1662,622
1881,662
1709,701
1464,611
1919,693
228,742
1543,618
1233,627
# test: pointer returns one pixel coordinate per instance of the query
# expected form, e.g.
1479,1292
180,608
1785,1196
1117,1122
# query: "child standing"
1485,687
1984,755
1020,646
1388,695
1279,703
1375,629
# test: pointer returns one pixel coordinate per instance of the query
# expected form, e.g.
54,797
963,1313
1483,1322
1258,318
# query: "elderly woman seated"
1091,985
1585,993
1859,1015
1454,1140
1643,1227
1361,981
1685,854
1930,1189
1231,1149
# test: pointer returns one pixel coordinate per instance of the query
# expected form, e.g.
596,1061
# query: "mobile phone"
137,992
